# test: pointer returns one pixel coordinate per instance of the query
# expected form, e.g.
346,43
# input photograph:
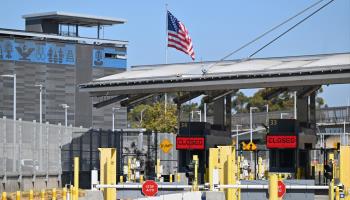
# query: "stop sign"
281,189
149,188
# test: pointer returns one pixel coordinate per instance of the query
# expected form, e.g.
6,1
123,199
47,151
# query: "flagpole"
166,51
166,33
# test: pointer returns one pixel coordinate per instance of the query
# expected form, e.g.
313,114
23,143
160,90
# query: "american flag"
178,36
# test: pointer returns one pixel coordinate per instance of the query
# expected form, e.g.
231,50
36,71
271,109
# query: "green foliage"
154,117
283,101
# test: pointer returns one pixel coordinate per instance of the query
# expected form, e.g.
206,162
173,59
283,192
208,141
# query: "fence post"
20,151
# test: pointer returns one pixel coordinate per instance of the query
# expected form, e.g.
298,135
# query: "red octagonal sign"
149,188
281,189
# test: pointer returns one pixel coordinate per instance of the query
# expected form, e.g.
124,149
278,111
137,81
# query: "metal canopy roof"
76,19
235,74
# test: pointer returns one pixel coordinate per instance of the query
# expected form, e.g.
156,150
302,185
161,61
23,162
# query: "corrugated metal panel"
248,67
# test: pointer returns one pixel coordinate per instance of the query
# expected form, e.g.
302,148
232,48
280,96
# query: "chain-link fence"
29,148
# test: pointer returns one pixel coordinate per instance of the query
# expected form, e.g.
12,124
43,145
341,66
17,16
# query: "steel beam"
110,101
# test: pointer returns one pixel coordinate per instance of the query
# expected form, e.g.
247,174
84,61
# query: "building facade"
47,54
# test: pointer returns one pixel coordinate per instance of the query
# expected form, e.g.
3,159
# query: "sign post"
149,188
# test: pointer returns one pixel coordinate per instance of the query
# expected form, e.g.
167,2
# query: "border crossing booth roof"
226,75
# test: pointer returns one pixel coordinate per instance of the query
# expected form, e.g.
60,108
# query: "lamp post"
14,116
141,113
251,131
205,112
295,104
113,117
40,102
65,106
267,115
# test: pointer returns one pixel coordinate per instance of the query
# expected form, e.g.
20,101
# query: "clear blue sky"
216,28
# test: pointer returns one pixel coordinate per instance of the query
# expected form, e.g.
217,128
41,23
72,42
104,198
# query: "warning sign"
166,145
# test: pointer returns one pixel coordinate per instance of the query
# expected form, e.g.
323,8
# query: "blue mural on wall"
109,57
42,52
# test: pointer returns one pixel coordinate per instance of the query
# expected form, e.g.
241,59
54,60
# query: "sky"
216,28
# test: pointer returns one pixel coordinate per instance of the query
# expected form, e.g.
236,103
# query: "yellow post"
260,168
229,172
18,195
129,170
42,194
3,196
76,172
121,179
76,193
238,177
170,178
337,193
108,160
72,194
344,169
141,178
213,159
31,195
178,177
54,194
273,187
158,169
331,190
224,151
64,193
331,158
195,179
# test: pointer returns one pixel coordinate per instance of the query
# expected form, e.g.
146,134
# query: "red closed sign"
149,188
190,143
281,141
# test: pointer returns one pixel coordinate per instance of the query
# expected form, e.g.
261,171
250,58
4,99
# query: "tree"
154,117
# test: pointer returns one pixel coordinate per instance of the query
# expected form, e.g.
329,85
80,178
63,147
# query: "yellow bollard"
31,195
158,170
178,177
64,193
337,195
121,179
141,178
129,170
71,195
170,178
108,173
76,172
195,181
273,187
18,195
42,194
54,194
331,190
3,196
